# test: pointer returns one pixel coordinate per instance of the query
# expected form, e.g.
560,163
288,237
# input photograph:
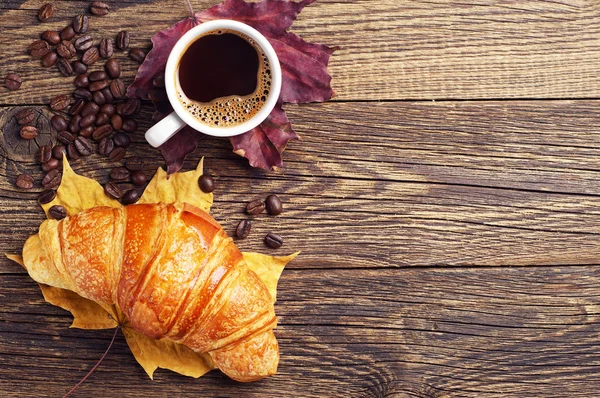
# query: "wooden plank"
389,49
393,332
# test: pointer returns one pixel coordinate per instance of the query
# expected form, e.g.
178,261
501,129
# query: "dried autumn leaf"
268,268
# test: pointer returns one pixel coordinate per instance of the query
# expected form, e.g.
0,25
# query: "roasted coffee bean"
116,121
58,151
46,12
39,48
112,190
66,49
99,8
255,207
273,241
105,146
64,67
59,122
99,85
65,137
47,196
25,116
108,109
130,197
49,59
90,56
87,120
206,183
83,146
57,212
159,80
51,36
138,177
84,43
102,132
60,102
87,131
102,119
117,88
80,23
113,68
90,108
137,54
123,40
12,81
74,125
119,173
82,81
134,163
72,152
82,93
157,95
51,164
117,154
28,132
67,33
122,139
79,67
52,179
130,106
76,108
273,205
108,95
24,181
243,229
106,48
45,153
97,75
129,125
119,108
98,98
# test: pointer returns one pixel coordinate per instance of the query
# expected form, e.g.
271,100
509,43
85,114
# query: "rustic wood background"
447,205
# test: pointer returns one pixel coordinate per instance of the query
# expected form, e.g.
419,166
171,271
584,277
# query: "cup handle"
163,130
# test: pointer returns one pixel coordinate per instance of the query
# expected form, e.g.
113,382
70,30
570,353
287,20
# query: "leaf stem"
96,365
190,8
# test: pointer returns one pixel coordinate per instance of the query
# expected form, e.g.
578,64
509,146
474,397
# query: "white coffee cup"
171,124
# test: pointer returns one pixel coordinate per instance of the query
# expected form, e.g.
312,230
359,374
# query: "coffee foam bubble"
232,110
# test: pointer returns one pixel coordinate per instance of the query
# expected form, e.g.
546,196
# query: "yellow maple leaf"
268,268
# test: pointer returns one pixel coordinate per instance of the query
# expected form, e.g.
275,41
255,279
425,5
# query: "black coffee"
224,78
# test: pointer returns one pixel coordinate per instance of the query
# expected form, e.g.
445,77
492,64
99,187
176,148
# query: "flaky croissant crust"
174,273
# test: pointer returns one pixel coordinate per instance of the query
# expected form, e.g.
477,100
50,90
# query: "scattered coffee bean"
97,75
65,137
80,23
83,43
117,88
90,108
113,68
58,151
273,205
116,121
57,212
74,125
87,121
46,12
51,164
99,8
98,98
60,102
83,146
129,125
119,173
25,116
138,177
122,139
130,197
102,119
123,40
102,132
243,229
117,154
137,54
76,108
119,108
86,131
273,241
105,146
108,97
45,153
134,163
82,93
206,183
82,81
58,122
66,49
39,48
64,67
28,132
99,85
112,190
90,56
108,109
130,106
106,48
67,33
159,80
72,152
47,196
24,181
49,59
52,179
255,207
12,81
79,67
51,36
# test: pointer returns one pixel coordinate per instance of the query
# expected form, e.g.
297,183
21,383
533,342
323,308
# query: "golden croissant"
174,273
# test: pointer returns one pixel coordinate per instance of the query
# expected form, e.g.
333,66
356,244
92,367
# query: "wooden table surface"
446,202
